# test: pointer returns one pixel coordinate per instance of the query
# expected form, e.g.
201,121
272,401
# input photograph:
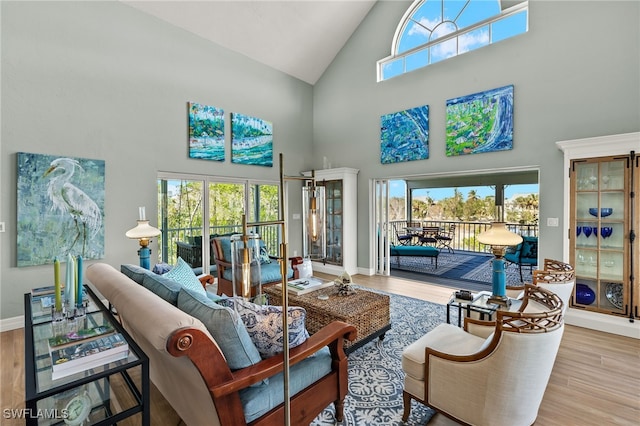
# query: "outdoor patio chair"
446,237
429,235
404,237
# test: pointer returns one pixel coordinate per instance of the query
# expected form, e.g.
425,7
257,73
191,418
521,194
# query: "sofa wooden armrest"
224,385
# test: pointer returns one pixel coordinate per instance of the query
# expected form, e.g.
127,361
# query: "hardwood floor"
595,380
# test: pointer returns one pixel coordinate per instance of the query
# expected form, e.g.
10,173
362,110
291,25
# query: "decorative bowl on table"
604,211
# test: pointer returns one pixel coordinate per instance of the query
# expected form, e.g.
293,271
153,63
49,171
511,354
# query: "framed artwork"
482,122
404,135
60,208
206,132
251,140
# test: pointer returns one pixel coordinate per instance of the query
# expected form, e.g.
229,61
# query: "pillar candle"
71,282
79,293
57,284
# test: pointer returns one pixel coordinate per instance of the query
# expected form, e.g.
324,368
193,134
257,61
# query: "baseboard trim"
11,323
601,322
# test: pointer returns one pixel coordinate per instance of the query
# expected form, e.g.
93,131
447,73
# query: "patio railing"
170,236
465,234
464,237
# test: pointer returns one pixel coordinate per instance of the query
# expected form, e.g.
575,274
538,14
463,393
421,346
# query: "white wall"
575,74
103,80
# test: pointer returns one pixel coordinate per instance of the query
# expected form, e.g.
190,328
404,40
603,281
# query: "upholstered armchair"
495,380
524,254
556,276
269,269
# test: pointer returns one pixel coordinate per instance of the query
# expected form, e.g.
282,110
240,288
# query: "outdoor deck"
461,270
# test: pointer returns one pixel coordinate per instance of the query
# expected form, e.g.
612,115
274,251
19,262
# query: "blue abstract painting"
482,122
251,140
206,132
404,135
60,208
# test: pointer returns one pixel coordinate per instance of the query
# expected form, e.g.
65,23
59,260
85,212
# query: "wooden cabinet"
602,215
341,186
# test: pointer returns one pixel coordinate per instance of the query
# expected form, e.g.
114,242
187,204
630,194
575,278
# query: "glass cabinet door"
333,194
599,233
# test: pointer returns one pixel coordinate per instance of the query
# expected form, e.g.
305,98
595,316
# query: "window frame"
406,20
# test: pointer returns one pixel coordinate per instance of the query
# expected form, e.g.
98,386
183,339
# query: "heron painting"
60,208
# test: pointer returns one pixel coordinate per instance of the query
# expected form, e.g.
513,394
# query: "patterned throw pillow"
225,327
183,274
264,324
264,255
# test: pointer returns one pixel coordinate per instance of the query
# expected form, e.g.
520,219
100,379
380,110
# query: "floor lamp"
315,227
499,238
143,233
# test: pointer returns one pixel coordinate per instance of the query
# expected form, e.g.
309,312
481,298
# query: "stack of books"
86,349
307,285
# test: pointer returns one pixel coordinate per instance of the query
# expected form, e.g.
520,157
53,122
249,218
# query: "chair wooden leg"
521,278
406,400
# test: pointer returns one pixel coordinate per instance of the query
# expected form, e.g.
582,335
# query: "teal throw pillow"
164,287
135,272
183,274
224,325
264,324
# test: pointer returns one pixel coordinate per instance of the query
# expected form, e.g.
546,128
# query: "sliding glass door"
187,213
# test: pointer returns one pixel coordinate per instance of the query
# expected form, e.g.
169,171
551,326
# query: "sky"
397,189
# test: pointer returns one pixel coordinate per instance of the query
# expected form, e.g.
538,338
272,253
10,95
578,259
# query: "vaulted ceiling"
298,37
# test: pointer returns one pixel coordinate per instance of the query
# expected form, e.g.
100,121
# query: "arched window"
434,30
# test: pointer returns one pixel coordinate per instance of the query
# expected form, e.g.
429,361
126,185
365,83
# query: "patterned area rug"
457,270
375,370
484,273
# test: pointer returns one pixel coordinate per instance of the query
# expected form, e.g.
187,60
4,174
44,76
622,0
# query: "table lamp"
499,238
143,233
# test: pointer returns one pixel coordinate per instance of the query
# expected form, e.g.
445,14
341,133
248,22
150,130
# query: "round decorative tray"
614,294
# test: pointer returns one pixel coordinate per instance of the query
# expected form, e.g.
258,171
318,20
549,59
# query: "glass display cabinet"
601,215
341,185
599,233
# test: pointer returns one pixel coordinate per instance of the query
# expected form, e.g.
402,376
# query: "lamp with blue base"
143,233
499,238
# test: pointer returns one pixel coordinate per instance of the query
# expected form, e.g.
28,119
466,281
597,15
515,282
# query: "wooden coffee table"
366,310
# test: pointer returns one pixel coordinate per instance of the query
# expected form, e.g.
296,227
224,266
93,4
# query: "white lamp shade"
143,230
499,235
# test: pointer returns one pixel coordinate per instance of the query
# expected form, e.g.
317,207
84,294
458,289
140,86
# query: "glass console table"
102,395
480,305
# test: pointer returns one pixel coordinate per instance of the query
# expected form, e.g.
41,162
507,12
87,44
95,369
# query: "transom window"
435,30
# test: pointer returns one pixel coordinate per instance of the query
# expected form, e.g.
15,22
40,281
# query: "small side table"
47,401
480,305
